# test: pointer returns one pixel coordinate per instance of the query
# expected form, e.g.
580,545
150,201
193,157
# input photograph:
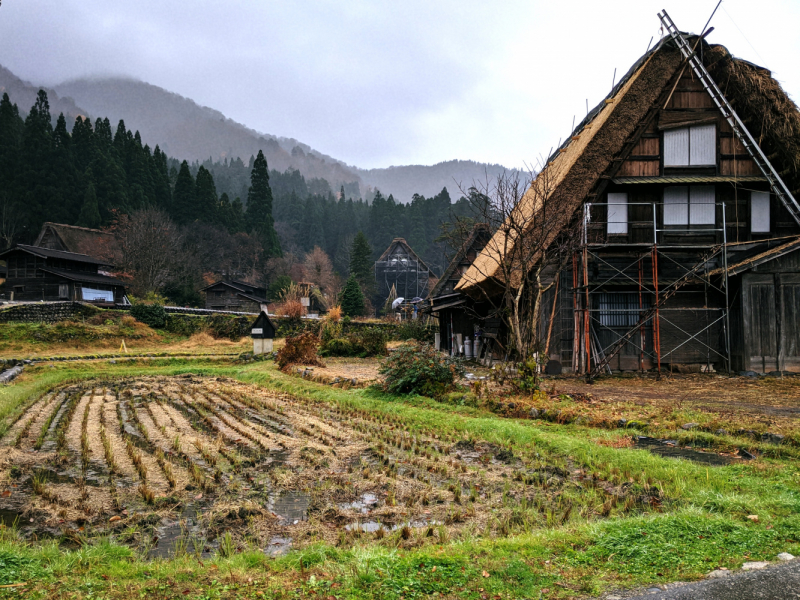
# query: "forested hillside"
226,218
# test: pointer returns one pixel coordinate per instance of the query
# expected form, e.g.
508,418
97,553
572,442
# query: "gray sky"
379,83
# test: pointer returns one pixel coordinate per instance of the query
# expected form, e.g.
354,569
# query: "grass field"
459,501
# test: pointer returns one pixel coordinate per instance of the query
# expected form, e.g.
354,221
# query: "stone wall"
46,312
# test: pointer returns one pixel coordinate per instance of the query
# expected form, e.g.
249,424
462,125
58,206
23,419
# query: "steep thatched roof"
575,168
81,240
402,243
768,112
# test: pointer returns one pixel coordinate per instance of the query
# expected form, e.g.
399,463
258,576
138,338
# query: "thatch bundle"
770,115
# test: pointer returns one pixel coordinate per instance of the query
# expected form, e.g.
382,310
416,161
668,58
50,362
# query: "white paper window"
617,213
690,146
703,145
759,212
702,210
676,205
676,147
684,205
91,294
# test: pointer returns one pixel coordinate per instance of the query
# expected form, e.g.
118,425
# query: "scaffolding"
629,279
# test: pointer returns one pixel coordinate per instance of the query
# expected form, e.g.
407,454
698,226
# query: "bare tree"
535,236
152,248
10,220
319,271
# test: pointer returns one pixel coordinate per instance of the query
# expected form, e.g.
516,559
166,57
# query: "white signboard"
256,331
305,301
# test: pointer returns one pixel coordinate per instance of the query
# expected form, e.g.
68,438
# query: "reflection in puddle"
366,503
181,536
278,546
373,526
670,449
289,506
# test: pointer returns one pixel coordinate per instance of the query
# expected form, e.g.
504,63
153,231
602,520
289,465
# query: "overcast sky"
378,83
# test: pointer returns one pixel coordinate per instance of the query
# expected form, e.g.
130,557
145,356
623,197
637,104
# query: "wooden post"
656,321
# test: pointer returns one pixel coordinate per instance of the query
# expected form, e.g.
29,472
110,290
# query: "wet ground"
198,466
671,449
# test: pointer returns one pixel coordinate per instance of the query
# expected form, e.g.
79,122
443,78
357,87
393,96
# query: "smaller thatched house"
401,268
455,310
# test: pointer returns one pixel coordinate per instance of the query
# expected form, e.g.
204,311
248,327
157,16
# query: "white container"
468,348
459,344
476,349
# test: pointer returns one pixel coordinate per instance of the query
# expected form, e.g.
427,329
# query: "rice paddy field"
212,478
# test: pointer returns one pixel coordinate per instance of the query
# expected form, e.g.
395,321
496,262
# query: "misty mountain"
24,93
403,182
185,130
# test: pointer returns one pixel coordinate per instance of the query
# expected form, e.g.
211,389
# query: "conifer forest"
233,216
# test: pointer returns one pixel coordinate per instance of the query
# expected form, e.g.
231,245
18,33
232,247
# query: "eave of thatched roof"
478,230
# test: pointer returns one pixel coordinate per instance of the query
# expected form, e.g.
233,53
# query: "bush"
153,315
299,350
337,347
363,343
415,329
370,341
291,309
413,369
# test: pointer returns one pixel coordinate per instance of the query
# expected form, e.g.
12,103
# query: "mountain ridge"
186,130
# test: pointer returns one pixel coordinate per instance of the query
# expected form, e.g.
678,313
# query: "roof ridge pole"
779,188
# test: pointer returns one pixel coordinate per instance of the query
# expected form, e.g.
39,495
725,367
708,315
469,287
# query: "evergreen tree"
185,195
259,207
90,213
206,207
351,298
361,266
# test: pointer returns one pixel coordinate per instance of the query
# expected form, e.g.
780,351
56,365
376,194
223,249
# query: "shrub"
337,347
128,321
299,350
291,309
153,315
363,343
415,329
414,369
334,314
370,341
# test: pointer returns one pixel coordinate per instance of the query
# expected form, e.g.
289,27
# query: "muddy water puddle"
190,465
670,449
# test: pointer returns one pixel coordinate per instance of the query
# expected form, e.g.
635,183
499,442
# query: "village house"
454,309
35,273
682,183
400,273
235,296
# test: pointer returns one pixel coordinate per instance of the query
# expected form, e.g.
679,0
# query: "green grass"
701,524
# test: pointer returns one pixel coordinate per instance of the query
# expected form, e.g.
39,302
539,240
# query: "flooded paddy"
189,465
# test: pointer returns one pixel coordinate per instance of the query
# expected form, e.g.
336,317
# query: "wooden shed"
263,332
